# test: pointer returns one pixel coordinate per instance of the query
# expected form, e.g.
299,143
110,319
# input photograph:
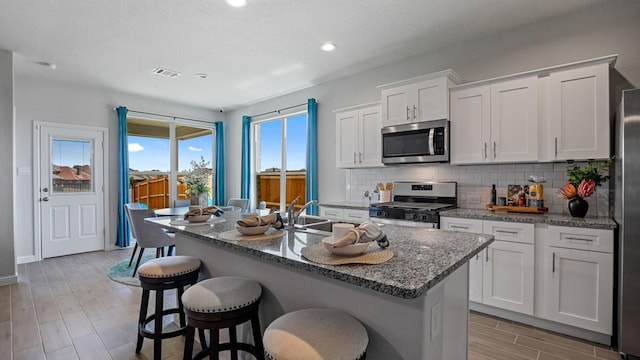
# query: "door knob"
46,198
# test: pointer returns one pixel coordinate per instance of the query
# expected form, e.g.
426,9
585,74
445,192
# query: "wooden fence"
269,188
155,192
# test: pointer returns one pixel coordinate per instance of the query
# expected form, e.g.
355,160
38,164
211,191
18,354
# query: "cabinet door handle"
577,238
477,256
485,150
556,147
494,150
408,117
507,232
459,227
553,263
486,255
354,158
415,113
360,157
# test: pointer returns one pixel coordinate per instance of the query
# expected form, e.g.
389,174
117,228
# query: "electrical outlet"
436,320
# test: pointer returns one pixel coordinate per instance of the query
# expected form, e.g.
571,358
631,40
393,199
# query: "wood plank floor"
67,308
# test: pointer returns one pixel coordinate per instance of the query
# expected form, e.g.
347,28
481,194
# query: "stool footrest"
228,346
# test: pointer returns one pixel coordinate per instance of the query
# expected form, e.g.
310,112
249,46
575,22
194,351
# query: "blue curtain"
312,154
246,157
122,239
219,197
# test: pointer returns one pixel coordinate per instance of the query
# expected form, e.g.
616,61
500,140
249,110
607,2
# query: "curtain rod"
278,110
168,116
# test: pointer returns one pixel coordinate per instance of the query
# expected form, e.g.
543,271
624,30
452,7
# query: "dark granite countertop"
422,257
552,219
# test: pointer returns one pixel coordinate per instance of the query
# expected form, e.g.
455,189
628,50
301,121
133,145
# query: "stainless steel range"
416,204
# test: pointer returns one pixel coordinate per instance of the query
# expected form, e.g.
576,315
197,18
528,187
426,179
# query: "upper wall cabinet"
418,99
495,123
578,118
358,137
552,114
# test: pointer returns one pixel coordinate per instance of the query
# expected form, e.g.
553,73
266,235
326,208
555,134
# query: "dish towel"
365,232
273,219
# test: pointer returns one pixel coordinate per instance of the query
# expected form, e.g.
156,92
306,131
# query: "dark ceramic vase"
578,207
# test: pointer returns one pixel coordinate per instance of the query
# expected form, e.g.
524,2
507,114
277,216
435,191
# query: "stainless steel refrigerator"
627,215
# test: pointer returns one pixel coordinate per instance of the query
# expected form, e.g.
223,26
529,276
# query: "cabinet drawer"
463,225
359,215
579,238
508,231
334,213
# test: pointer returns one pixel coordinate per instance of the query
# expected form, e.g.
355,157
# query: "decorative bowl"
353,249
253,230
198,218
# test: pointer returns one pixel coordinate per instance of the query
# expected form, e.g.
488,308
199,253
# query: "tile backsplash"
474,182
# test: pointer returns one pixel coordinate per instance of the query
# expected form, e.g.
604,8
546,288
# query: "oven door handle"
431,142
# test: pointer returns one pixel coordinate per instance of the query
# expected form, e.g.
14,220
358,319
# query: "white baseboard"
26,259
8,280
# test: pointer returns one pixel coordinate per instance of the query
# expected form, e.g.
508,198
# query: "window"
159,154
279,141
71,165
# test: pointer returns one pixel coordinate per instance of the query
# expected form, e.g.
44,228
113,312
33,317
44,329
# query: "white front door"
71,191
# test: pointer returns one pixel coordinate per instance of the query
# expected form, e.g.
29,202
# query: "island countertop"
422,257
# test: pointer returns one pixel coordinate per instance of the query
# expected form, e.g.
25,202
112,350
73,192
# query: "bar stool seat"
174,272
221,303
316,334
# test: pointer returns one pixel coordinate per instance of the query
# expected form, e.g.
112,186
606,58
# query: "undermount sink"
315,224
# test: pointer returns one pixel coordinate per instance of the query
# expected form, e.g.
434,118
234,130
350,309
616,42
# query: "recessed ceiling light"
237,3
328,46
47,64
202,76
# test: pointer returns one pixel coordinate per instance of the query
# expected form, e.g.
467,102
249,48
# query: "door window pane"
269,162
71,161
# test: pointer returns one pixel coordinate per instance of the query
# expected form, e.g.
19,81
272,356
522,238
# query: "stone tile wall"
474,182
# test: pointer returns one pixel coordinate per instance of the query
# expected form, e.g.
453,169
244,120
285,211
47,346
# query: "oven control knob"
424,217
415,216
386,214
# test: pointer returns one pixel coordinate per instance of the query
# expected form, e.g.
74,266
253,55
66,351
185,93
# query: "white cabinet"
358,138
495,123
352,215
579,278
508,274
477,262
418,99
578,118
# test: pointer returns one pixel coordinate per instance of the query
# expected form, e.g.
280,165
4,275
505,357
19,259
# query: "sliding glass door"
160,152
280,160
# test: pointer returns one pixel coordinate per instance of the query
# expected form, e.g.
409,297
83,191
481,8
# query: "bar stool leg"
214,340
257,336
183,321
233,340
143,315
203,339
188,343
157,340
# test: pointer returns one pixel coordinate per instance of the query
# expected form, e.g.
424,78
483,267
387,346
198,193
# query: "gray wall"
38,100
7,259
611,28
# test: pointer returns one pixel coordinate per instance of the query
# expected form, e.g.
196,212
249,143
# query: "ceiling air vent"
166,72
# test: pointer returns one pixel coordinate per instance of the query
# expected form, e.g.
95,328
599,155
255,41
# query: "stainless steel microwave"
421,142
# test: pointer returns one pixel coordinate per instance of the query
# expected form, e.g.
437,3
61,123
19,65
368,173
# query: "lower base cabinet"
578,278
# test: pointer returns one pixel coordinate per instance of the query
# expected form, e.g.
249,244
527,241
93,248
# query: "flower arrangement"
583,181
197,178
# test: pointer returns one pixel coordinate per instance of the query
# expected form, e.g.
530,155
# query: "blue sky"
71,152
147,153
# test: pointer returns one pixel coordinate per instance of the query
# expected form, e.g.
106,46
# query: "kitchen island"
415,306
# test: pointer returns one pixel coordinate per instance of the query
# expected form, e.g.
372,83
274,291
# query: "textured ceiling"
269,48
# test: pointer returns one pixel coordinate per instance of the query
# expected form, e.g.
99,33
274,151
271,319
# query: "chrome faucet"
292,215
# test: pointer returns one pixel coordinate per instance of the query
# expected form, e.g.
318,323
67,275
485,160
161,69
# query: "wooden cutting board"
518,209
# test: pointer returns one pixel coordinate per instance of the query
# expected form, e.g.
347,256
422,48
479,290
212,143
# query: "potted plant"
582,184
197,180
